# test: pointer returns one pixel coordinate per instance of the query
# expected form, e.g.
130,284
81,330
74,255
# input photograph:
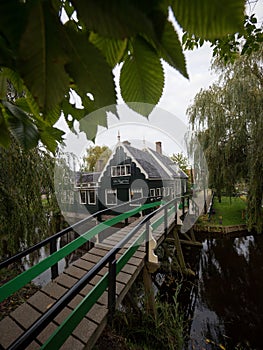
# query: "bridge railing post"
54,268
112,288
183,200
165,221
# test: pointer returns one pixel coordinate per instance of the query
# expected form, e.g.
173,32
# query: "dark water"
226,300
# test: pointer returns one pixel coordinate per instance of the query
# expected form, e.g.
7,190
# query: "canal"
225,304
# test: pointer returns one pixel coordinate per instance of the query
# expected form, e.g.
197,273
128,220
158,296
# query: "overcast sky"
178,94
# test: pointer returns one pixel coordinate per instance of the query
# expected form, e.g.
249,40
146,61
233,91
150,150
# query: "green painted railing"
61,334
25,277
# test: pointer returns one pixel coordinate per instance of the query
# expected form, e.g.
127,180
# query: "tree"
181,160
53,50
96,158
28,206
227,117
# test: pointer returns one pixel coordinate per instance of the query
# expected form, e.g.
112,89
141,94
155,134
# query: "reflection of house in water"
129,174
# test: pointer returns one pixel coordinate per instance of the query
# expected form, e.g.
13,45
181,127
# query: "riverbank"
227,216
220,229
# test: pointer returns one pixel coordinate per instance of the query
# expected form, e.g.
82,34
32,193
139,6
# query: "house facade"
131,176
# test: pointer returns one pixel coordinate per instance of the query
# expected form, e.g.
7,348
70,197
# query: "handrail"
22,279
60,335
59,234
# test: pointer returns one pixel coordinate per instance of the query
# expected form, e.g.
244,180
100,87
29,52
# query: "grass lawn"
229,211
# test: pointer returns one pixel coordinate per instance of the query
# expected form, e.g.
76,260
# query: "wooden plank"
90,328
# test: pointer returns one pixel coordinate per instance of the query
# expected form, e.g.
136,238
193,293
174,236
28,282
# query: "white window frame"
136,190
121,170
64,196
158,191
95,197
80,197
127,169
114,171
92,184
152,192
110,191
71,197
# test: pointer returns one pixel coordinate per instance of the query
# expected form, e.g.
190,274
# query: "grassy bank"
231,211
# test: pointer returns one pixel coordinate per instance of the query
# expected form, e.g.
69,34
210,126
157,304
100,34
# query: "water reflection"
229,305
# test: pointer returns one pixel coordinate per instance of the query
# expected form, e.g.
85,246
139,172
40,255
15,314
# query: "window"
64,196
136,193
83,197
71,197
158,192
111,197
67,196
152,192
91,196
120,170
113,171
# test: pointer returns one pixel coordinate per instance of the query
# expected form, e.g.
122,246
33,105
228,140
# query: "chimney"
158,145
126,142
99,165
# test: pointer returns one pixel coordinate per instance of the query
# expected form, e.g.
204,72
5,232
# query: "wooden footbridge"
71,311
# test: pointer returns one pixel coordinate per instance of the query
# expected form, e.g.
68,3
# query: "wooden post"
151,265
180,254
148,269
179,250
192,234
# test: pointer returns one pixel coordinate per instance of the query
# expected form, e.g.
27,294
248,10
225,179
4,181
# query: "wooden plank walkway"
90,328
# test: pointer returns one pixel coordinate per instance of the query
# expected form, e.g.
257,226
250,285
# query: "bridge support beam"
180,253
148,269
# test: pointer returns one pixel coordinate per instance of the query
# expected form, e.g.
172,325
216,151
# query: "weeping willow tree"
28,205
228,118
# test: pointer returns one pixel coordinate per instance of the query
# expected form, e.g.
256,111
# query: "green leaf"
171,49
118,19
20,125
71,113
15,79
42,59
142,77
89,70
3,85
70,109
112,49
13,18
50,137
89,124
209,19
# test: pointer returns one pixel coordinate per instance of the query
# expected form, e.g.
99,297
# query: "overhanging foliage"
50,49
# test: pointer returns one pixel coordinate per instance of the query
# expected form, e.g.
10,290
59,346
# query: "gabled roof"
153,169
151,163
170,166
